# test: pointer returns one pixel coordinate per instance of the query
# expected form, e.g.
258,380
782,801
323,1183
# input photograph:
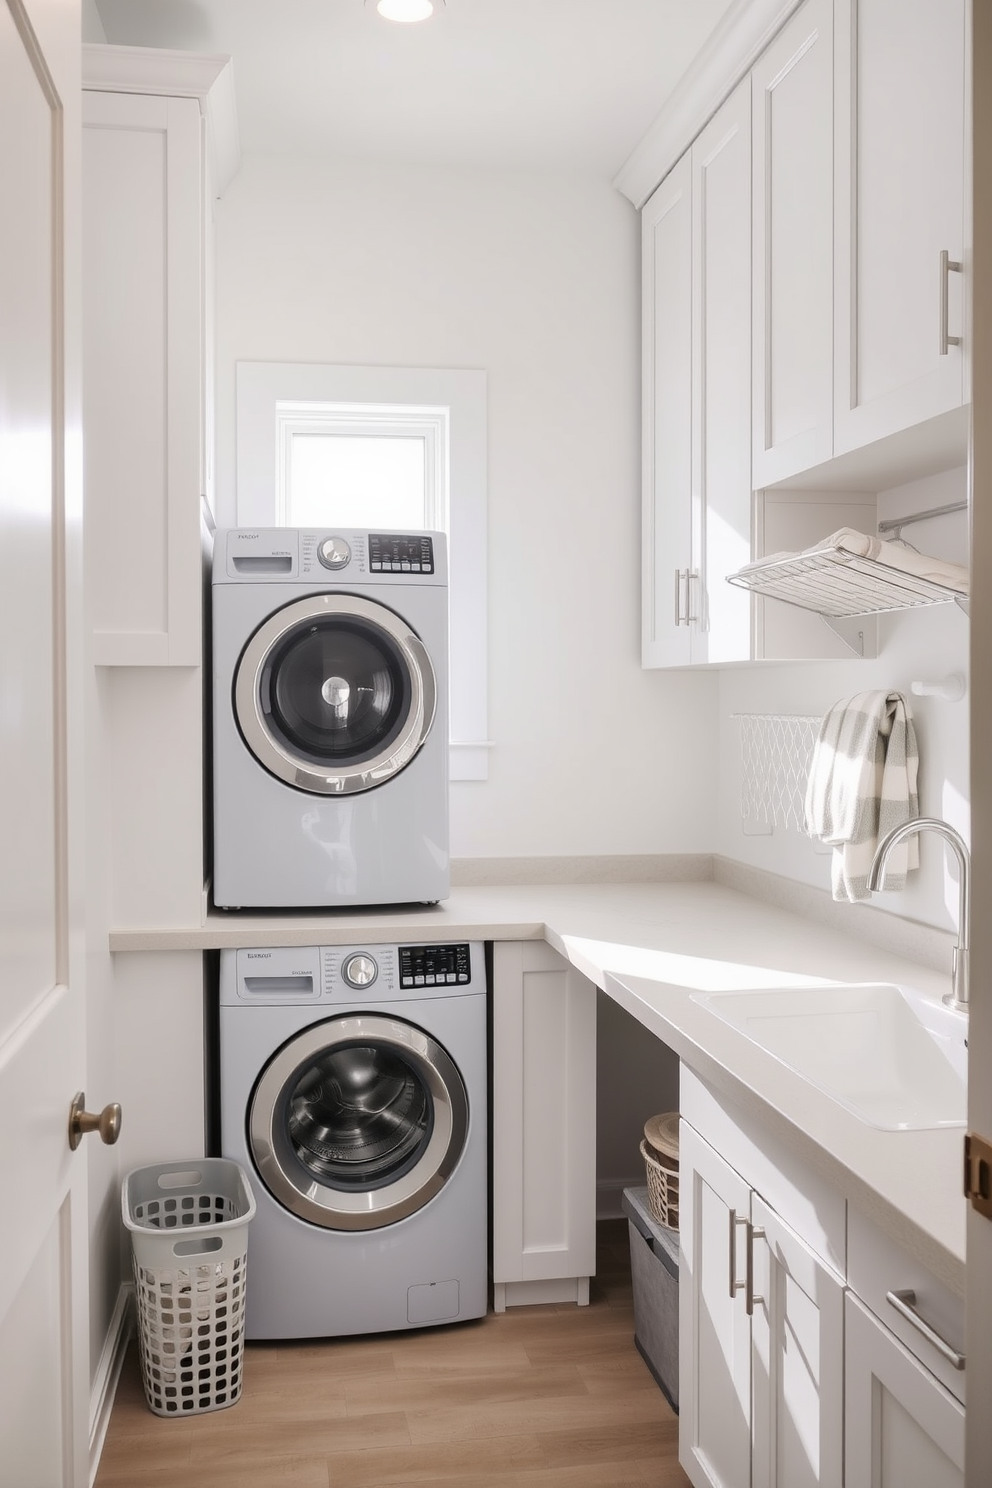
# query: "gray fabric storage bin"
654,1271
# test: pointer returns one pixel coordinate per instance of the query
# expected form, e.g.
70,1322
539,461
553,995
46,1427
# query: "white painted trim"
108,1373
154,70
609,1195
736,43
263,385
534,1293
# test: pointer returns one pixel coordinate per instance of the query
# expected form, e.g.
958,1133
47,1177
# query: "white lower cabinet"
904,1429
814,1349
544,1127
761,1338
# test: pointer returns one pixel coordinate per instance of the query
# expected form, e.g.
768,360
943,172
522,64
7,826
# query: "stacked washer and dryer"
353,1080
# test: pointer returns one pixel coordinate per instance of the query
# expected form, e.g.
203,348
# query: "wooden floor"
541,1397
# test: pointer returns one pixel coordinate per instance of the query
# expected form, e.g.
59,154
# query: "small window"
323,446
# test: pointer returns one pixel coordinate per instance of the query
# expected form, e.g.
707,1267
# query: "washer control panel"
334,552
359,970
434,965
351,974
390,552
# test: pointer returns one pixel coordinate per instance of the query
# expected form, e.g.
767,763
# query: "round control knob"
334,552
359,971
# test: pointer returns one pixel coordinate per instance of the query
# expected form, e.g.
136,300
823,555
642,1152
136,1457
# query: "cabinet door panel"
714,1330
792,101
721,464
797,1334
143,376
666,303
902,1428
544,1119
900,122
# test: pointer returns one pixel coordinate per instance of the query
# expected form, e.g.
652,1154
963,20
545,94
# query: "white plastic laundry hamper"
189,1247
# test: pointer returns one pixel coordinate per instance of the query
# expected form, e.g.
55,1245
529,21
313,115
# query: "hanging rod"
896,524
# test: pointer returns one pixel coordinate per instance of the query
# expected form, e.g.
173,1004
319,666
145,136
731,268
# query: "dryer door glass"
335,694
335,691
358,1122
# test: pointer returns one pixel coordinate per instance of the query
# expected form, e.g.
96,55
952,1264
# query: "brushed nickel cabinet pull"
735,1285
749,1294
948,265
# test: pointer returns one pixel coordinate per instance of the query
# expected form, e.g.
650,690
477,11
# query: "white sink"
895,1058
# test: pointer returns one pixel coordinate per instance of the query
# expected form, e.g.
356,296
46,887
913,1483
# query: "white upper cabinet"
721,364
143,205
792,110
900,205
696,377
666,557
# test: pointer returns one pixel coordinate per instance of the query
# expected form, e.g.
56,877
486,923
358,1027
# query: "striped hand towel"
862,783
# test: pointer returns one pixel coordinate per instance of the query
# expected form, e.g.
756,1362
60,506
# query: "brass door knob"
107,1122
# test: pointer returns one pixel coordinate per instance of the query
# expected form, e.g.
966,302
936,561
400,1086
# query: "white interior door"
44,1399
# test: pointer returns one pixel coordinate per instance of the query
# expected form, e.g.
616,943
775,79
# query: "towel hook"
952,689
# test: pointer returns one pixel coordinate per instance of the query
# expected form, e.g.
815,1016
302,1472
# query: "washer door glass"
335,694
358,1122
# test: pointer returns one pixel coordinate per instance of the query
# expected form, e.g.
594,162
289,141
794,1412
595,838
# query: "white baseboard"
534,1293
108,1372
609,1195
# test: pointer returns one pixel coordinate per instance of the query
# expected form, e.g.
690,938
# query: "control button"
463,976
334,552
359,971
451,977
429,981
418,981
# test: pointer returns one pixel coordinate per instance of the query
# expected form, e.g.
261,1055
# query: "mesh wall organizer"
189,1242
776,752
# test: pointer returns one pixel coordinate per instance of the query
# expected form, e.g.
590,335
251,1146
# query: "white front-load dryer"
353,1090
330,702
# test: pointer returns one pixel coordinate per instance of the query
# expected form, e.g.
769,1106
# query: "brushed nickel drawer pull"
904,1303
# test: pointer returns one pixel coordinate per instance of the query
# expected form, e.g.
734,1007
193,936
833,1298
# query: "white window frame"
272,403
374,420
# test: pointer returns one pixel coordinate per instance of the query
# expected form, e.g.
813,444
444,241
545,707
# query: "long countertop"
649,946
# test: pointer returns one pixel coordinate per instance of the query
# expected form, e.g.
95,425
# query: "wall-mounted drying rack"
840,583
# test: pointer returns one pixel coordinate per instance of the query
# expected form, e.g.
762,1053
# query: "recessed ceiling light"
407,10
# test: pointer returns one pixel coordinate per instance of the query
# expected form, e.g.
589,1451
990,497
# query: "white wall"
924,644
533,278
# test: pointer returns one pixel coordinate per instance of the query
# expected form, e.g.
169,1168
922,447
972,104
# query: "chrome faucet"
960,979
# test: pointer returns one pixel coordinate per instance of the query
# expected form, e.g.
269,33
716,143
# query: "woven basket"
663,1187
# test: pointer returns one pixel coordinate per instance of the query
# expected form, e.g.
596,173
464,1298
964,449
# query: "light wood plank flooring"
541,1397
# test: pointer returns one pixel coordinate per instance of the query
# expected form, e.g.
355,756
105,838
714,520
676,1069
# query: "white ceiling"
547,84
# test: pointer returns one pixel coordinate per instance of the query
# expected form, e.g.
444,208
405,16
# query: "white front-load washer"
353,1090
330,702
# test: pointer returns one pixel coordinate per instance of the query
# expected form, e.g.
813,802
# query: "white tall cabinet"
696,374
158,142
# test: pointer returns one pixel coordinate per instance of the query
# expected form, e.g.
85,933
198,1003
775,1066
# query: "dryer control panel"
289,555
